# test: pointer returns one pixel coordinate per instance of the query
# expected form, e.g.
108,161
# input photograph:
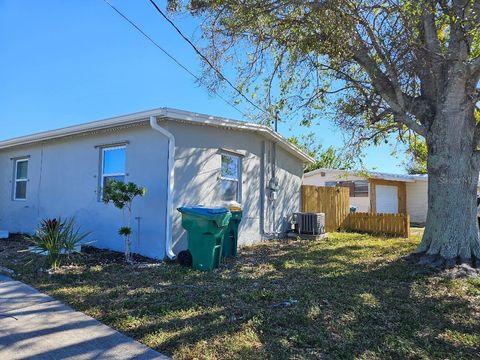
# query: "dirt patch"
448,268
462,271
14,248
93,256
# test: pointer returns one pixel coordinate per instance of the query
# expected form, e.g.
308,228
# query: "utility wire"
204,58
171,56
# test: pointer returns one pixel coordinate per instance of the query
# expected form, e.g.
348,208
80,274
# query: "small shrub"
56,239
72,237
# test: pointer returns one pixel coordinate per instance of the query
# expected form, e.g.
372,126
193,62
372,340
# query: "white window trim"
102,165
16,180
237,180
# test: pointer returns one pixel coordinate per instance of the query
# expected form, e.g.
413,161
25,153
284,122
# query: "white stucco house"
378,192
182,158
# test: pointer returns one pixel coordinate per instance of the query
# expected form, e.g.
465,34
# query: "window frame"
351,185
238,180
104,175
357,193
16,180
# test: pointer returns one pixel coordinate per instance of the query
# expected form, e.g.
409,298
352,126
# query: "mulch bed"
17,247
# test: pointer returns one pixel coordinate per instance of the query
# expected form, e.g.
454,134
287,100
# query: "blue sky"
68,62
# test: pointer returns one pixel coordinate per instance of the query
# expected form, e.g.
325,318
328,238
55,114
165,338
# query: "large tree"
384,66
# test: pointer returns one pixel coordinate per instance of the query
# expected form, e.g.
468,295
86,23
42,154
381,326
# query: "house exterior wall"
64,178
63,181
290,175
361,203
417,201
197,172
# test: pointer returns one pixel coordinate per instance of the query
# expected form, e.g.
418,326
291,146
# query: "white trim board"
167,113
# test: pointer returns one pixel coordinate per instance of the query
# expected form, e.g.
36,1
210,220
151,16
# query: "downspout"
268,190
273,189
262,190
265,192
170,182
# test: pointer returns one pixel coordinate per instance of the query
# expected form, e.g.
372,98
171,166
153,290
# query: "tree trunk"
451,230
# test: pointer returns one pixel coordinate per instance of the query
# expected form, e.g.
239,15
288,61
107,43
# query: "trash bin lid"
203,211
220,216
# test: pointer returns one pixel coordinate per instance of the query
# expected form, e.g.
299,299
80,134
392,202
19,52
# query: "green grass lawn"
357,298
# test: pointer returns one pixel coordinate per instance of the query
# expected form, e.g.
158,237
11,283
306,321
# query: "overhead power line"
205,59
171,56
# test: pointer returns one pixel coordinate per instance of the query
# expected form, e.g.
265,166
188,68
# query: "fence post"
407,226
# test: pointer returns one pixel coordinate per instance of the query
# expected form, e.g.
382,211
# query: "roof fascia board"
79,129
392,177
139,117
204,119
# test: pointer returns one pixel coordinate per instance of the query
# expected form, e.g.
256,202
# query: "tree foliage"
330,158
380,65
417,154
122,194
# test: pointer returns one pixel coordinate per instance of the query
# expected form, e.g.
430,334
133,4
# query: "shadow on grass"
356,297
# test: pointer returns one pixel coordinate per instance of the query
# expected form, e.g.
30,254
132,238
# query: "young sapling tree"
122,196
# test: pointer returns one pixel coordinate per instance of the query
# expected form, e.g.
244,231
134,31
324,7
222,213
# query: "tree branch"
432,55
376,133
457,48
430,32
411,124
384,87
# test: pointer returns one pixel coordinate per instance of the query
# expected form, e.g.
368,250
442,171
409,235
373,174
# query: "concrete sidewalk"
36,326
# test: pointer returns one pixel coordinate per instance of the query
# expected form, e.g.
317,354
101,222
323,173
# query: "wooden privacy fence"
392,224
333,201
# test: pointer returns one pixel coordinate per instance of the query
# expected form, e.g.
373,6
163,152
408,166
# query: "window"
113,164
230,178
21,179
358,188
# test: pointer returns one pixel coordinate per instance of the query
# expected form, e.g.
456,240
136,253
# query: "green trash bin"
205,227
230,239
